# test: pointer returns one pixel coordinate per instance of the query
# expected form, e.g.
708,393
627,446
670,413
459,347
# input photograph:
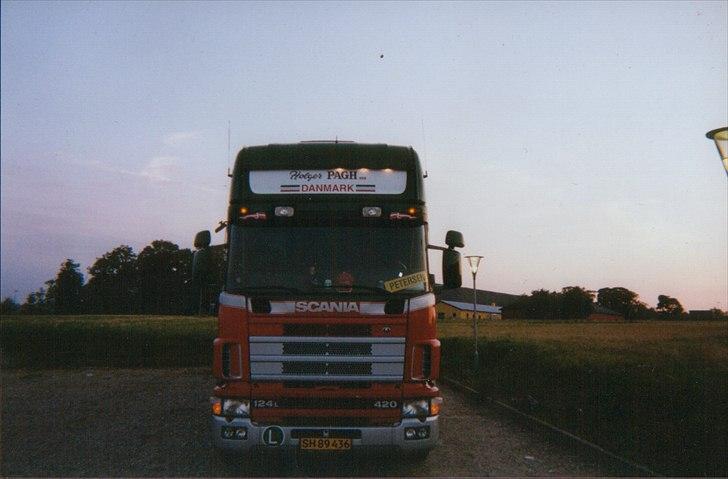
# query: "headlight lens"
236,407
416,408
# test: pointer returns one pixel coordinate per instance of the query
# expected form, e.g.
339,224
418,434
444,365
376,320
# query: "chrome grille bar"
326,358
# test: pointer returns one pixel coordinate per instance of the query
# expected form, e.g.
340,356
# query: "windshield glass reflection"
331,259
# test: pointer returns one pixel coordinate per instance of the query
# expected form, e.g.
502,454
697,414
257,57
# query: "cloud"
180,137
161,168
98,165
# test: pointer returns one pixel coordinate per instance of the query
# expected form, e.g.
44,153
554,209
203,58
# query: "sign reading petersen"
338,181
398,284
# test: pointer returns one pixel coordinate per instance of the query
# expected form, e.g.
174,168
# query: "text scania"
326,307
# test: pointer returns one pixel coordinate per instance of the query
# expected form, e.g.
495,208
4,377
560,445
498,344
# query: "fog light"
371,211
423,432
284,211
236,433
409,433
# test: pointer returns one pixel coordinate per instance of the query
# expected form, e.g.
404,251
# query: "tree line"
575,302
158,280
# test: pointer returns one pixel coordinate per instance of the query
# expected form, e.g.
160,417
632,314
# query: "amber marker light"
435,406
412,211
243,210
216,406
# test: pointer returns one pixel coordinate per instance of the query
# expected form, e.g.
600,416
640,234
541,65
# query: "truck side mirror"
202,239
201,268
451,276
454,239
201,259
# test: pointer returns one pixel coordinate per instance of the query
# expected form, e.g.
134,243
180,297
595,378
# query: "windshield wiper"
273,287
345,288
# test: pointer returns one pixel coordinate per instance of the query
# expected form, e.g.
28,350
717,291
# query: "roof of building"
481,308
465,295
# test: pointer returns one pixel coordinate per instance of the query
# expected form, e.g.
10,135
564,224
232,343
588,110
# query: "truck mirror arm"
221,226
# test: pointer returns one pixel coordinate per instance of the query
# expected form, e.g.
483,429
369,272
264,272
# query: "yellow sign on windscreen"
405,282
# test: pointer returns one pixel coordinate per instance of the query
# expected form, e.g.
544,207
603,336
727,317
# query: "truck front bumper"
363,438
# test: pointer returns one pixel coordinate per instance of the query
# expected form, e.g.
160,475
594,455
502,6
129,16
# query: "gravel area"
154,422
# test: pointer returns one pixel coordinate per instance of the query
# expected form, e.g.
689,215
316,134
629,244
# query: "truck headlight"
416,408
236,407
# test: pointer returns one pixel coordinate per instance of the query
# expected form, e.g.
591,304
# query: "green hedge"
669,415
106,341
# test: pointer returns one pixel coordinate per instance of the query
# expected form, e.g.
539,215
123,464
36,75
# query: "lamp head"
720,137
474,262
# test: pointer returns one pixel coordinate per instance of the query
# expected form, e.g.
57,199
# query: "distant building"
707,314
458,303
601,313
465,295
458,310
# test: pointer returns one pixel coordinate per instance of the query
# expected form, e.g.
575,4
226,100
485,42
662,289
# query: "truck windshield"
338,259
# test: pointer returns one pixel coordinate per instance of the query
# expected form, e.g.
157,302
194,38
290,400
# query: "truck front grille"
336,330
326,359
318,384
327,369
328,349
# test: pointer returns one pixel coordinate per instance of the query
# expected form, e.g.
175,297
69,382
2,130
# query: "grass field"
656,392
643,344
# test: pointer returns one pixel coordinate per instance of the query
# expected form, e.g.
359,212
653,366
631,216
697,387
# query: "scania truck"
327,334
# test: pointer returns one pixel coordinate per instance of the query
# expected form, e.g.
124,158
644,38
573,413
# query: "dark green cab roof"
315,155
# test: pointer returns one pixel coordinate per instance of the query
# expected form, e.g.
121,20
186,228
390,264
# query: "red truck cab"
327,337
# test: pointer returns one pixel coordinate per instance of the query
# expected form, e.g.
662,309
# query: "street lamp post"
474,262
720,137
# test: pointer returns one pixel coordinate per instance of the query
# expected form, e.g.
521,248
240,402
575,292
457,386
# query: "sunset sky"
565,140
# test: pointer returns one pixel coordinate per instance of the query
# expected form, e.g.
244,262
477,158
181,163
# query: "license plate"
325,444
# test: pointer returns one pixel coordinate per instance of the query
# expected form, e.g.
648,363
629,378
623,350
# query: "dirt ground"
154,422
